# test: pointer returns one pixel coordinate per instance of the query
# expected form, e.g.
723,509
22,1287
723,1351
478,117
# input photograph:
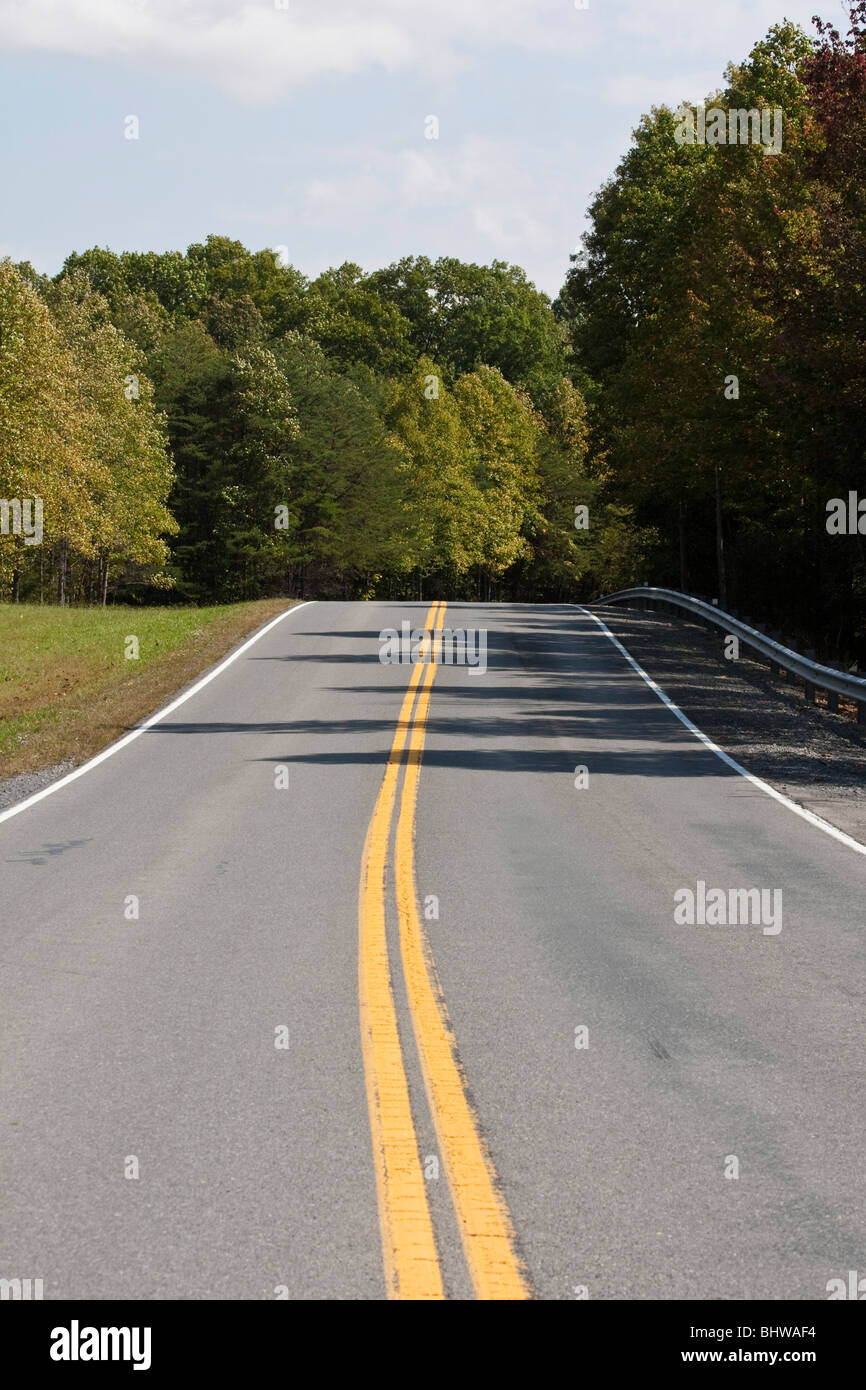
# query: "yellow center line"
408,1245
482,1215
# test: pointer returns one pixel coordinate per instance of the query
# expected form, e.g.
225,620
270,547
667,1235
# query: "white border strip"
154,719
720,753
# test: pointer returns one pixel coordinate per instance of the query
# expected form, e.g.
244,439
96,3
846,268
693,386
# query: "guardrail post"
808,687
774,636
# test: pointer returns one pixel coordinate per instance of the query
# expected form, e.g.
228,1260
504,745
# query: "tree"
78,429
345,486
468,316
504,432
353,324
257,470
42,444
131,474
192,381
441,503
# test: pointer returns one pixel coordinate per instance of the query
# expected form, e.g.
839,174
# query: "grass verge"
67,688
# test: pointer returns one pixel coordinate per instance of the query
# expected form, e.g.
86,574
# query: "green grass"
67,687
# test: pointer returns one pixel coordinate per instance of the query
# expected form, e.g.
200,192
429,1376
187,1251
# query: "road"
405,1010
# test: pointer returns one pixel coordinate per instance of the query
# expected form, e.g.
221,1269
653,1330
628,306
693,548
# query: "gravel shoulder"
815,757
15,789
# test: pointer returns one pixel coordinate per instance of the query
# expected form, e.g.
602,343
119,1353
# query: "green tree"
354,324
438,521
345,488
467,316
130,471
504,432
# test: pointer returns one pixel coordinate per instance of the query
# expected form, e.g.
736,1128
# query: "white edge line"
720,753
149,723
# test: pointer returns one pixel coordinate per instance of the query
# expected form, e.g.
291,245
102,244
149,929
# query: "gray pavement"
153,1038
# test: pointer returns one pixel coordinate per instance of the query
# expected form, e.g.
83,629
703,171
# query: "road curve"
339,982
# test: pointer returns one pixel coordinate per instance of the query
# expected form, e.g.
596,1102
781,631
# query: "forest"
210,425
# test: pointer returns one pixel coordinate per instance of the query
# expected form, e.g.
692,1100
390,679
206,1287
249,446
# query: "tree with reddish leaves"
835,77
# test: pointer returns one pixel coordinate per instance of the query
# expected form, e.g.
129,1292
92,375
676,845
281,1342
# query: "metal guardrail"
794,664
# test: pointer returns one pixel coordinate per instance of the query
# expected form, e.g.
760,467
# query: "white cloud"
497,195
510,228
682,24
327,202
426,178
640,90
257,51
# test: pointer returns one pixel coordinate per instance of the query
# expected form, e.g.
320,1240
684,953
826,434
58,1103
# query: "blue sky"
304,125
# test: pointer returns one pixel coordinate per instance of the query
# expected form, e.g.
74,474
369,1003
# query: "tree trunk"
61,576
720,546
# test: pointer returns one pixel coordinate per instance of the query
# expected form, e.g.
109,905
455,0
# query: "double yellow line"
411,1260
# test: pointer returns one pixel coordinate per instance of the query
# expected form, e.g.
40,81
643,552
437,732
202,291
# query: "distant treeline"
212,425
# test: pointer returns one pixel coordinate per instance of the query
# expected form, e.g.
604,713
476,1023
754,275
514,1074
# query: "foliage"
706,263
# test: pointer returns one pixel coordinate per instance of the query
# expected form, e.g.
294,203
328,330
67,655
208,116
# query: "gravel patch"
15,789
815,757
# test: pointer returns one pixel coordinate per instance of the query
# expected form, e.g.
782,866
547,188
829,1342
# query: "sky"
304,124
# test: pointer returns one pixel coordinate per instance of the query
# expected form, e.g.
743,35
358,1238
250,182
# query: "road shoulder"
816,758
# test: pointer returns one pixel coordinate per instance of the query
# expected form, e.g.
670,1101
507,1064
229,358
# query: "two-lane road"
334,982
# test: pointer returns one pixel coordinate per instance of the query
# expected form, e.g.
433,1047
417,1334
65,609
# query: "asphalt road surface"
339,982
